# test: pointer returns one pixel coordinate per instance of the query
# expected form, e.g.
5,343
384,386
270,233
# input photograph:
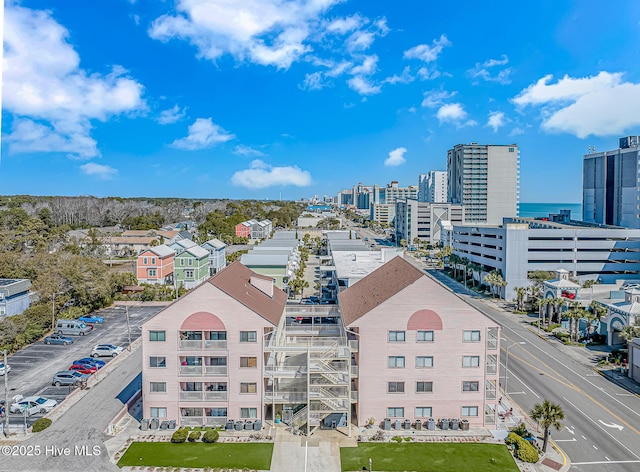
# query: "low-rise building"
217,255
14,296
155,265
191,267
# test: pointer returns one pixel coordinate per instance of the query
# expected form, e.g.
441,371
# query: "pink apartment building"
203,355
155,265
398,346
423,352
243,230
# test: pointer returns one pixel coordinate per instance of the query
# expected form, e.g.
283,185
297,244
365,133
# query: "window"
424,412
153,261
158,387
511,149
248,387
395,387
396,362
248,412
217,336
190,261
471,336
395,412
424,361
158,412
181,261
219,412
152,272
424,387
469,411
396,336
188,274
144,261
155,361
248,336
157,336
248,362
470,386
425,336
470,361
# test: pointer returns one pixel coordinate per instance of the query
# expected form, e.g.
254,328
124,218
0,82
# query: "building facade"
383,213
421,220
611,185
217,255
155,265
14,296
485,179
432,187
191,267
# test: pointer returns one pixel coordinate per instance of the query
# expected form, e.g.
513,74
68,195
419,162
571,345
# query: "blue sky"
291,98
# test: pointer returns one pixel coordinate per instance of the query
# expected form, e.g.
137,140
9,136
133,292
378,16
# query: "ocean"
535,210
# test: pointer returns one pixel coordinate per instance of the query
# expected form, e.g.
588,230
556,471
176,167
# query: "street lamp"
506,366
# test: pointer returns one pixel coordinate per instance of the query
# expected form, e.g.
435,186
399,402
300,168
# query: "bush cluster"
524,450
40,424
179,436
194,436
210,436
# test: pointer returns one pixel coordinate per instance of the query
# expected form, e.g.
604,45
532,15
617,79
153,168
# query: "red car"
84,369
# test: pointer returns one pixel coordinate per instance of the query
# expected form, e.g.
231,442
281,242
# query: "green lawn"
198,454
428,457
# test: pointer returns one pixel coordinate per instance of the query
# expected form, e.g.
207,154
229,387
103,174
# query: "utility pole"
6,395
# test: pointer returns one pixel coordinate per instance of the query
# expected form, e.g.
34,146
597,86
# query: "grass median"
199,455
428,457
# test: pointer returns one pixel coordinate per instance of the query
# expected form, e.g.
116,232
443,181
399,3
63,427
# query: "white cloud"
360,41
436,98
346,25
516,131
427,53
425,74
262,175
368,66
496,120
482,70
203,134
454,113
49,94
601,105
396,157
267,32
404,78
243,150
172,115
314,81
363,86
99,170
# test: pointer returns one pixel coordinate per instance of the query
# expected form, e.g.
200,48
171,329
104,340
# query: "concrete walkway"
318,453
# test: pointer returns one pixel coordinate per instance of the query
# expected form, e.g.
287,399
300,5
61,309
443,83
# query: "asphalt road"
601,430
33,367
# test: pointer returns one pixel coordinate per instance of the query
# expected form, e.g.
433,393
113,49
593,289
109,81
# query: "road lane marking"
594,422
607,458
566,440
612,425
605,462
571,430
594,446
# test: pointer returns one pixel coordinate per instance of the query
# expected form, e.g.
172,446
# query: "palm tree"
630,331
520,294
541,304
575,313
547,415
465,263
558,304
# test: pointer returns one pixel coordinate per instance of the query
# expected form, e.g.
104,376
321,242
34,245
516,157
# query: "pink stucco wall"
164,266
235,317
447,349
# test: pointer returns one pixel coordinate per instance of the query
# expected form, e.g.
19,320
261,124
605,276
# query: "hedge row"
524,450
181,435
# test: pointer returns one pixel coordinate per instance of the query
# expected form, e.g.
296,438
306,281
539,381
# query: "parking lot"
33,367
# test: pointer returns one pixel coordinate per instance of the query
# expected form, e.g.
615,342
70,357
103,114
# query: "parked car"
314,299
32,405
84,369
92,319
306,301
106,350
90,361
4,368
68,377
58,339
73,327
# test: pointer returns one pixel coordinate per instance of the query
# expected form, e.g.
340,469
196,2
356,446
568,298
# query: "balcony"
202,420
216,396
200,344
354,371
215,370
190,396
191,370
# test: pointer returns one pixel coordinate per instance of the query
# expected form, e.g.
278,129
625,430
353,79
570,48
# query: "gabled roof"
183,243
235,281
376,288
561,283
161,251
197,252
215,243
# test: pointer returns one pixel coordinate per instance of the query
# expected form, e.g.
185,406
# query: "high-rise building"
611,189
485,179
432,187
414,219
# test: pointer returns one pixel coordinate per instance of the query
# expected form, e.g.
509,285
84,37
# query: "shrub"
210,436
379,436
179,436
397,439
526,452
407,438
40,424
194,436
512,439
520,430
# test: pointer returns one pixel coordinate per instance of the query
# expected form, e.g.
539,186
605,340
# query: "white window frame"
157,332
471,336
425,334
470,362
158,366
418,361
393,336
395,388
468,411
248,413
421,410
396,360
158,387
247,385
392,412
425,382
249,335
160,412
470,385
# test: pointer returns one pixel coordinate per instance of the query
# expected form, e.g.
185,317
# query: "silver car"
106,350
4,368
68,377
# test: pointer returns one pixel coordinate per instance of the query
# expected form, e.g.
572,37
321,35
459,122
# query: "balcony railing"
200,344
353,345
354,370
215,344
202,420
186,344
190,370
190,396
216,396
354,396
215,370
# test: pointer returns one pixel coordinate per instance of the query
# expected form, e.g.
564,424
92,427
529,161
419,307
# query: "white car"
32,405
4,368
106,350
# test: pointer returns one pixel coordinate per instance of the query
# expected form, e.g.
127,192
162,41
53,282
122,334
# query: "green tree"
521,293
547,415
